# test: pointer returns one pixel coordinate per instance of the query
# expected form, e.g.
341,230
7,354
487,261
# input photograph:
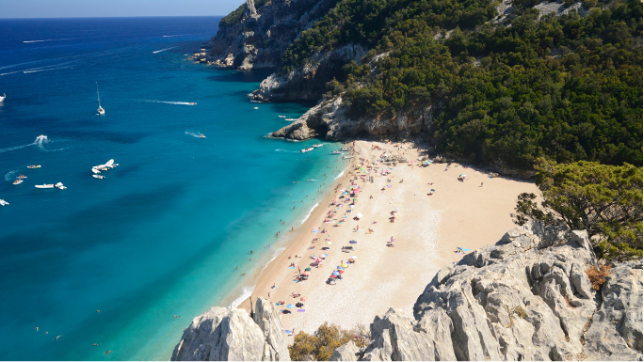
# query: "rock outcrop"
526,298
330,120
223,334
257,34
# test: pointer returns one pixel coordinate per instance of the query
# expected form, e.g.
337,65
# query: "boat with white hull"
308,149
4,96
347,157
45,186
100,177
3,203
101,111
61,186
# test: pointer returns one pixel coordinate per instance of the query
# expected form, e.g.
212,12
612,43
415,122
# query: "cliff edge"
528,297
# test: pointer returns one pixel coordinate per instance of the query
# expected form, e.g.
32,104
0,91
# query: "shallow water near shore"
161,235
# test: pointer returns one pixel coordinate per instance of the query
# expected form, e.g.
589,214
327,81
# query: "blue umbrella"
289,306
335,273
353,242
340,268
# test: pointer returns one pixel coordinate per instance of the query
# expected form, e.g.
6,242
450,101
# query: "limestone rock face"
308,82
330,120
525,298
257,36
346,352
223,334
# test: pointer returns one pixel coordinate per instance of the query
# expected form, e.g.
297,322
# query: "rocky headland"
528,297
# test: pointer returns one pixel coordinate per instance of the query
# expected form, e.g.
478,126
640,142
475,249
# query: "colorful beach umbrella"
307,269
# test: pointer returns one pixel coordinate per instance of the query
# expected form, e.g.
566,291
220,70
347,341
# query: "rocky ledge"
329,120
526,298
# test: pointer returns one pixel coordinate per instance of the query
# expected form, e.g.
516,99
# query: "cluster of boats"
340,153
104,167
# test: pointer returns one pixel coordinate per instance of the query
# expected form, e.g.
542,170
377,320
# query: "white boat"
4,96
98,177
100,110
45,186
308,149
318,145
95,170
281,116
290,119
18,181
347,157
336,153
345,149
255,107
20,177
61,186
3,203
34,166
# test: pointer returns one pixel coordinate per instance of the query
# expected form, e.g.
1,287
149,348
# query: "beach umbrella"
325,255
333,276
353,242
290,306
341,272
335,272
344,266
354,257
340,268
359,215
307,269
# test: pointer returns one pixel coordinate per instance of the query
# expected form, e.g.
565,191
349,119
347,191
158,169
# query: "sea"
116,268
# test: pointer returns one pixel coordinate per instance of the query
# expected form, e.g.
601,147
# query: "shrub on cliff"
320,345
605,200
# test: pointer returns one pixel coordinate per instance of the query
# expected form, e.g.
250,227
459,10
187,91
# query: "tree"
605,200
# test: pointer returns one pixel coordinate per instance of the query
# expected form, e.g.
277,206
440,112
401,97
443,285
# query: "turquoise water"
163,233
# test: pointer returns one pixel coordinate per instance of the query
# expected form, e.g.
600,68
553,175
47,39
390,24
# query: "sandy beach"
428,228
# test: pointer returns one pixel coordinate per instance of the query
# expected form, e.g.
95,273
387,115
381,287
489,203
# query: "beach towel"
301,310
288,331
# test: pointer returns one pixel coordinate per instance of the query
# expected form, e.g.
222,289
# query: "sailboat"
3,97
100,110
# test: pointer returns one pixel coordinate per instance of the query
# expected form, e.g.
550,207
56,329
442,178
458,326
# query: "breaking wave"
171,102
310,212
246,293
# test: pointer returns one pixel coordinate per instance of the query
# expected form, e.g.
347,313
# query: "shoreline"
458,214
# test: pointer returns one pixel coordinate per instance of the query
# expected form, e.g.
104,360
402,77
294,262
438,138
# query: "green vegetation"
605,200
567,88
320,345
233,18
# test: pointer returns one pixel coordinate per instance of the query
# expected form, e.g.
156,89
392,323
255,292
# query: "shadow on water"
116,137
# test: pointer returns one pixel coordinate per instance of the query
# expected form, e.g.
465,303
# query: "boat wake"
281,150
45,40
194,134
170,102
310,212
162,50
246,293
172,36
9,176
44,70
40,142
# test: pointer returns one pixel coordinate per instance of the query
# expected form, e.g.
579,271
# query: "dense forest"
503,88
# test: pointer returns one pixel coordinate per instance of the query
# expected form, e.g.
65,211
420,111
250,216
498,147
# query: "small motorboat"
100,177
281,116
318,145
308,149
34,166
61,186
201,135
345,149
347,157
193,103
3,203
18,181
20,177
45,186
255,107
290,119
95,169
336,153
4,96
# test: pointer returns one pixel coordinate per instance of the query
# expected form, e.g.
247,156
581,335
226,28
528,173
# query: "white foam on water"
341,173
276,253
9,175
193,134
246,293
40,141
162,50
310,212
288,151
44,40
44,70
172,36
18,71
169,102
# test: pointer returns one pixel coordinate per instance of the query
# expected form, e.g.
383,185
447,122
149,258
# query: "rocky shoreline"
528,297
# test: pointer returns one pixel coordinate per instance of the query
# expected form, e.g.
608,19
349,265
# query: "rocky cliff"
223,334
526,298
257,33
329,120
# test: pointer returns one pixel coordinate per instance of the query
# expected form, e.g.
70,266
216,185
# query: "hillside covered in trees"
506,82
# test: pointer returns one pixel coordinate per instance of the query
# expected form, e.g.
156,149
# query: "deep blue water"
162,234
